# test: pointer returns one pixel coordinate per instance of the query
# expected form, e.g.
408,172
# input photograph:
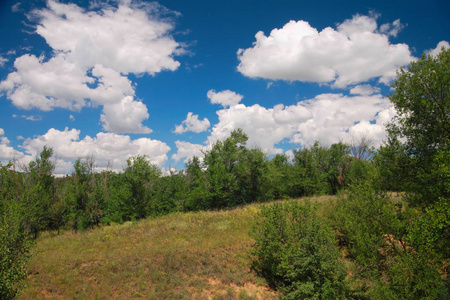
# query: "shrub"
296,253
15,244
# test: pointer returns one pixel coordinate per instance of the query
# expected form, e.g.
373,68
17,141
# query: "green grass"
200,255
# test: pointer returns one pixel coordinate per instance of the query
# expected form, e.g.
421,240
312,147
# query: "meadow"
195,255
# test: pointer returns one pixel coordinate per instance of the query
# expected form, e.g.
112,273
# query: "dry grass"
180,256
200,255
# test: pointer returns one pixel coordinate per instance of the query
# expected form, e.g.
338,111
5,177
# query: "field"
202,255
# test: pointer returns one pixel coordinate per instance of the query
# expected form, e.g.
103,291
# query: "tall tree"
418,148
422,99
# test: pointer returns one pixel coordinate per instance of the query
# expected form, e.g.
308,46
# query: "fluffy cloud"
128,39
93,51
45,85
364,90
8,153
2,61
354,52
328,118
392,29
187,150
225,98
125,117
337,117
192,123
104,147
438,48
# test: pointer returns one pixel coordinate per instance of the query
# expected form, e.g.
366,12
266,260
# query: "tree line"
228,175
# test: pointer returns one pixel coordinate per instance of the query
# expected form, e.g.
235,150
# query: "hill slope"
200,255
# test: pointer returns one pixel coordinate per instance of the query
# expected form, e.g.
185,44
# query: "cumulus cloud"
328,118
438,48
225,98
354,52
392,29
8,153
187,150
93,51
364,90
128,39
336,117
192,123
125,117
104,147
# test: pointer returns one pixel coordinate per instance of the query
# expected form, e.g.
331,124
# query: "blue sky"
114,79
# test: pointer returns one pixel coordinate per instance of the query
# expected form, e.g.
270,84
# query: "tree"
38,192
198,194
422,101
15,241
417,154
86,195
141,177
296,253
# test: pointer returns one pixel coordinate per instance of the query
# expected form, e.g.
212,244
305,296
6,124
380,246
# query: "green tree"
141,177
86,195
416,158
277,178
296,253
375,233
235,175
15,241
317,169
198,194
170,194
38,192
422,99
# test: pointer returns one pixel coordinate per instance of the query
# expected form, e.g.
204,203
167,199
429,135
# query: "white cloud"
328,118
187,150
192,123
364,90
16,7
335,116
8,153
61,83
354,52
2,61
392,29
93,51
125,117
128,39
224,98
104,147
438,48
264,127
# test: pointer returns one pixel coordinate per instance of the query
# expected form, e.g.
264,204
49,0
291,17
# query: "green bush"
376,234
296,253
15,245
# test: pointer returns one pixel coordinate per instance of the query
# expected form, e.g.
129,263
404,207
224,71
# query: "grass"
200,255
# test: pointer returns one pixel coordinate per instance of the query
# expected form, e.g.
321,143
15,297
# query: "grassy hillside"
200,255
